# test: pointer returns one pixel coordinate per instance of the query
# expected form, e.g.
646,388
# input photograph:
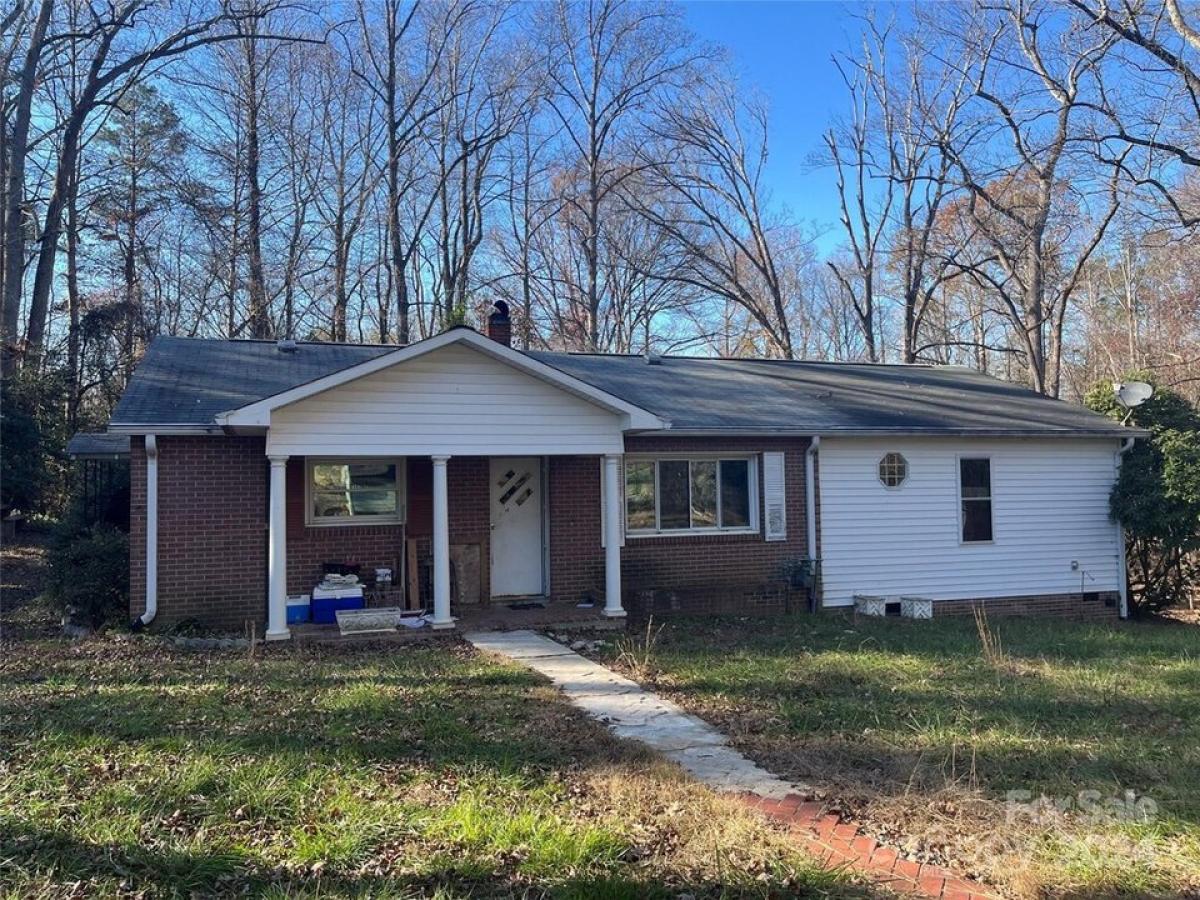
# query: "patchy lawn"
128,768
22,579
910,730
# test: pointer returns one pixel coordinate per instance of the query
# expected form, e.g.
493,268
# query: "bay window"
689,495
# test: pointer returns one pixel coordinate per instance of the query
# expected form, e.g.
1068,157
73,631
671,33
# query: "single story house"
671,483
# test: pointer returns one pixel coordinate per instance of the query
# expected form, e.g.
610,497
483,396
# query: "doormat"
527,604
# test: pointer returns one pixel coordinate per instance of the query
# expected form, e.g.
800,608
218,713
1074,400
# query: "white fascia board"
258,414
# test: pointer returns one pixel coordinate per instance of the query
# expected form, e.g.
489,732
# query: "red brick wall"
213,534
1104,605
212,497
573,498
212,530
698,571
368,546
374,546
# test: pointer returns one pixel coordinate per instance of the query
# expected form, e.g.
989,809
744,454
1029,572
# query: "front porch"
552,616
479,542
452,398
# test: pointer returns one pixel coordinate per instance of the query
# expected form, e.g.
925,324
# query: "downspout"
1122,574
151,535
810,515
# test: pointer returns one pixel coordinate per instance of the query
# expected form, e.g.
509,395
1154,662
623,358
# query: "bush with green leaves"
33,438
89,573
1157,496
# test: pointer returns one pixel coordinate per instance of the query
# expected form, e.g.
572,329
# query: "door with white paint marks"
516,556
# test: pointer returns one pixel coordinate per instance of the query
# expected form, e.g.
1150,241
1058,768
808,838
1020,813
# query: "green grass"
128,768
918,736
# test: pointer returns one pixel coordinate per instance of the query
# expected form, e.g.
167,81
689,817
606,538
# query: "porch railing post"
441,546
277,629
612,537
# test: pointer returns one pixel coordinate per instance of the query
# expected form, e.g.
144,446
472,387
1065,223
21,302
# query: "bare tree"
487,88
1155,105
15,122
866,188
610,63
399,62
308,98
528,209
251,74
149,36
344,181
716,209
1037,212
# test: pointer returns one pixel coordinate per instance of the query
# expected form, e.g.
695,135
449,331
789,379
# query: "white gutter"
1122,574
810,498
151,534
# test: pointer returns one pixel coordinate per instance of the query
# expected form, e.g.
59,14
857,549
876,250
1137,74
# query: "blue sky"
785,48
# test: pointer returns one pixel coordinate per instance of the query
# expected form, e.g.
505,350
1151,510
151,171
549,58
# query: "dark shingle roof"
828,398
85,444
184,381
187,381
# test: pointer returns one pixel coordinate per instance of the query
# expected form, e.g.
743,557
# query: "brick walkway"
837,843
631,712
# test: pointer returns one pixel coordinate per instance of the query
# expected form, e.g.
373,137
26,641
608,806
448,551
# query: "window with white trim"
354,491
690,495
975,495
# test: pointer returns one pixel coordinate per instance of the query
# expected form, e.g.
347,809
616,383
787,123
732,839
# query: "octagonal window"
893,469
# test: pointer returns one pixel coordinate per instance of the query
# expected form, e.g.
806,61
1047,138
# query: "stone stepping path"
702,751
631,712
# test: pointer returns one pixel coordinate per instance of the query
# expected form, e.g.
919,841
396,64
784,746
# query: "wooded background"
1017,181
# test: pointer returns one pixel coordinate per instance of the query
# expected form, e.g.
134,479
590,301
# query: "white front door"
516,489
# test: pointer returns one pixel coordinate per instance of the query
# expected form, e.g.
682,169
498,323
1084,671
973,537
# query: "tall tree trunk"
909,348
591,247
259,315
341,265
396,239
73,310
133,300
14,195
1035,323
235,237
64,186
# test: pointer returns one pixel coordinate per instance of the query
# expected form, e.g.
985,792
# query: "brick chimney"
499,325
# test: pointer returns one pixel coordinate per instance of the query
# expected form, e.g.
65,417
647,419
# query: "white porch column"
277,629
441,546
612,537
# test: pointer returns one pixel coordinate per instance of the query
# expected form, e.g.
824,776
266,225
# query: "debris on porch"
375,621
482,617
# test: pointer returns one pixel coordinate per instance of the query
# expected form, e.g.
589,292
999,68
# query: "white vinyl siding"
454,400
1049,508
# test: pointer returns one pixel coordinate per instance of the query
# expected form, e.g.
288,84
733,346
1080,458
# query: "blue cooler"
297,609
326,601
